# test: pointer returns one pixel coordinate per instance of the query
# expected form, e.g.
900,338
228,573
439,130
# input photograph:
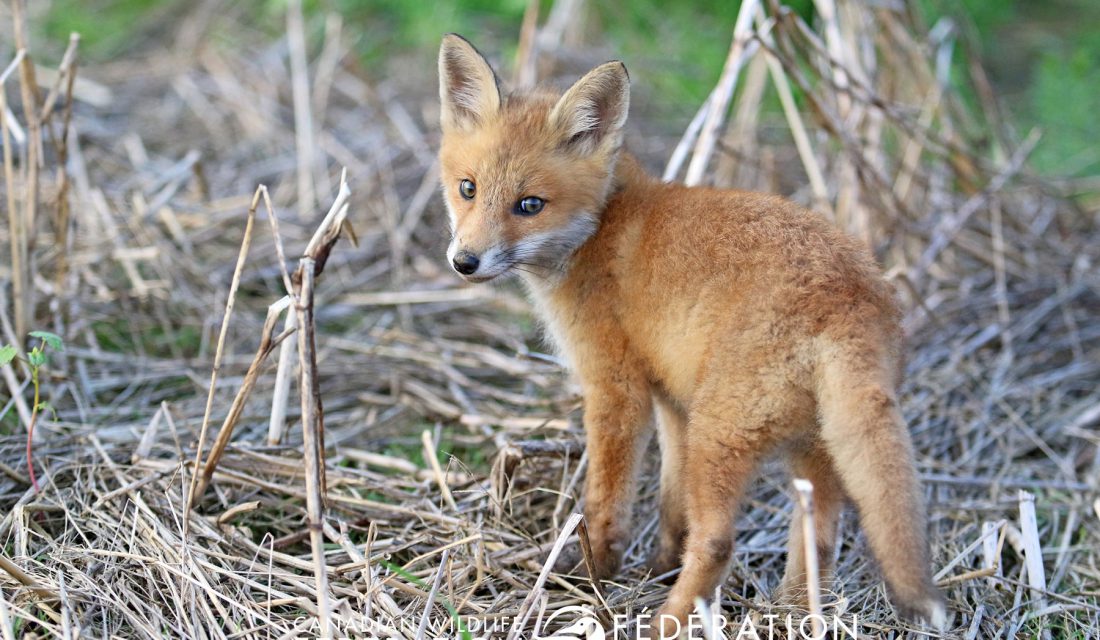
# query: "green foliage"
7,354
37,358
464,633
1044,57
106,27
51,339
1063,103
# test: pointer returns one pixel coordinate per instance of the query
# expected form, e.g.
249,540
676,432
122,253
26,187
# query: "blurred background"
1043,58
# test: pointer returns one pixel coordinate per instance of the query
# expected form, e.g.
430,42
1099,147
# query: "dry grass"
454,455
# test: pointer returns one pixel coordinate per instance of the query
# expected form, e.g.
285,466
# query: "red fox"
749,326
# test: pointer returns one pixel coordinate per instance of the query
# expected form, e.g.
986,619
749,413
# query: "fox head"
525,175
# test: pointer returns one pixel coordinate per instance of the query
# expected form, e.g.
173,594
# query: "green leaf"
52,339
36,358
7,354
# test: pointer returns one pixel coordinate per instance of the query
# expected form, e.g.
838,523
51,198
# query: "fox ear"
468,88
591,114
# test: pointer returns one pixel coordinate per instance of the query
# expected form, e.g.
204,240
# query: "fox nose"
465,263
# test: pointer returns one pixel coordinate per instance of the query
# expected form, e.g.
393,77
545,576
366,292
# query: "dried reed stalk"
313,443
230,301
268,341
723,93
804,491
25,231
527,53
303,112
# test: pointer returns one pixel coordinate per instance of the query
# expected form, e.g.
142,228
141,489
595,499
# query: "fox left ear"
591,114
468,89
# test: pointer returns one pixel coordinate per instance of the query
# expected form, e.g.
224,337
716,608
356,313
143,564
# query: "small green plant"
37,358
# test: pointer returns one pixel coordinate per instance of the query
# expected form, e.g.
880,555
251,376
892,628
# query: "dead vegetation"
454,453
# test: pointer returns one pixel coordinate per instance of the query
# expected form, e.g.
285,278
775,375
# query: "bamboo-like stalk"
16,235
231,299
805,493
22,279
687,140
521,617
431,455
794,121
740,135
268,341
430,602
1033,549
313,443
66,72
303,110
527,53
277,422
716,114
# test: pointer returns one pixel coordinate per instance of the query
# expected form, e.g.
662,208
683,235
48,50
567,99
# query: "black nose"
466,263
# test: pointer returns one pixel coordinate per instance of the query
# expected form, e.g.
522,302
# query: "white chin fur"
559,243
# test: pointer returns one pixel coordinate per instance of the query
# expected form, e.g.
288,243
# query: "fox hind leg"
672,523
727,435
865,434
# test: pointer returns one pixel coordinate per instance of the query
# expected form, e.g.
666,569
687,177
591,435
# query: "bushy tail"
866,436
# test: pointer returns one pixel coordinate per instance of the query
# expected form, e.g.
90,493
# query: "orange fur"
750,325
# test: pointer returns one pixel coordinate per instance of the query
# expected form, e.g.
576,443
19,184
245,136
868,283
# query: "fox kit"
747,324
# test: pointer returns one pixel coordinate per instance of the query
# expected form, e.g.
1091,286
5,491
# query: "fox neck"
627,171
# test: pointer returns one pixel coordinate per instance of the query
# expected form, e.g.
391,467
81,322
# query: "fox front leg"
617,417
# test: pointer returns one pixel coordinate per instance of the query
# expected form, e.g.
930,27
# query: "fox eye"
467,189
530,205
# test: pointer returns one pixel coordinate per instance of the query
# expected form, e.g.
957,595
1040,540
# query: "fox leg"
672,526
864,432
812,462
617,422
722,464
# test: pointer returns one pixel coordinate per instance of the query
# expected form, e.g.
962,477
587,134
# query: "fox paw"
930,611
606,560
663,562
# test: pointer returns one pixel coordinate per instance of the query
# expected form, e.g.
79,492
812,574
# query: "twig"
527,608
277,424
441,479
22,289
219,353
313,426
5,617
303,112
268,341
794,120
680,153
1033,550
432,594
805,492
949,227
312,440
21,576
716,114
527,53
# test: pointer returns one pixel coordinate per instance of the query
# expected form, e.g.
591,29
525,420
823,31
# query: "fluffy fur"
747,324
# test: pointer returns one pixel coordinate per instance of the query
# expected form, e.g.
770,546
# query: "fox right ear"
592,112
468,88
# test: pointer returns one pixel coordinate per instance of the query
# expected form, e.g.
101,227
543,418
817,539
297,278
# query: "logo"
580,623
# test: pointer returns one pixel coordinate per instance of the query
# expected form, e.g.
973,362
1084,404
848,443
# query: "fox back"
747,325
